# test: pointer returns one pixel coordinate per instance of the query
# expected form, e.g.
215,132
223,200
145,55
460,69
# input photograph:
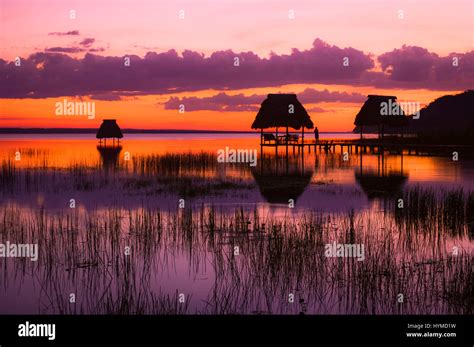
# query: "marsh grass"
186,174
435,212
83,252
192,251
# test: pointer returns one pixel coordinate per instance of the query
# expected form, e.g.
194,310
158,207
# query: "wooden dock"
369,146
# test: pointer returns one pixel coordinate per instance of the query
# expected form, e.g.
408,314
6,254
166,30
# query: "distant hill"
447,116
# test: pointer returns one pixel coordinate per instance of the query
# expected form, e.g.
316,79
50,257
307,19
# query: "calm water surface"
130,197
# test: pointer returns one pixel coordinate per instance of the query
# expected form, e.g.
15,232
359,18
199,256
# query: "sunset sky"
401,48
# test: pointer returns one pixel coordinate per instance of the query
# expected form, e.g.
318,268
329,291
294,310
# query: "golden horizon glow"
147,112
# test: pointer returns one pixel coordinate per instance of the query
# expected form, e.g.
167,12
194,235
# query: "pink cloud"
71,50
67,33
241,102
51,75
87,41
417,67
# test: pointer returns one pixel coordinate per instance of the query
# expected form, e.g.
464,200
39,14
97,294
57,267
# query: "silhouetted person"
316,134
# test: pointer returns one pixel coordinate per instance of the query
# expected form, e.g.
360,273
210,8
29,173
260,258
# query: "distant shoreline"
132,131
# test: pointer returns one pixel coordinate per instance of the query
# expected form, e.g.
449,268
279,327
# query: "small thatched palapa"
282,110
109,129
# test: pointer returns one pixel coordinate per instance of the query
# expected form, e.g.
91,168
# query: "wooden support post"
276,142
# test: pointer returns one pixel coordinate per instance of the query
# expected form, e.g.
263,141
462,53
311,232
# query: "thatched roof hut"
380,110
282,110
109,129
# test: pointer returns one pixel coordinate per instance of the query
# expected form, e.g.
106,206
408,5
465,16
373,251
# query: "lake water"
160,225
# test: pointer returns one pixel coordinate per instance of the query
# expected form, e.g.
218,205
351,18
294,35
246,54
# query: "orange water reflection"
50,151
